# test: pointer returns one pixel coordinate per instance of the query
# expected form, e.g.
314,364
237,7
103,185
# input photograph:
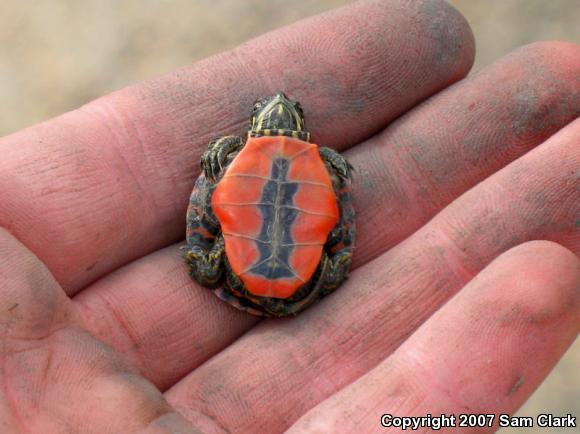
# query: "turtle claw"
206,164
206,265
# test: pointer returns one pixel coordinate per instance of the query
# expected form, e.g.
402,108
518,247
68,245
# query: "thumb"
56,377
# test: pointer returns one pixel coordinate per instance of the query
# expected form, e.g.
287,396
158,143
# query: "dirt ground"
58,55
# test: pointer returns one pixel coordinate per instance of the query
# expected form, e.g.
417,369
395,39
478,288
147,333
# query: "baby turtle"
270,223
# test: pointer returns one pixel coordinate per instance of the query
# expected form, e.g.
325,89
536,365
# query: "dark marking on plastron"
275,243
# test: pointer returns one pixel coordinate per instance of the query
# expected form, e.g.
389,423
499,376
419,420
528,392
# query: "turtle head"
278,116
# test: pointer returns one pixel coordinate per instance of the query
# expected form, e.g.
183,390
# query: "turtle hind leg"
340,243
339,246
215,159
206,265
337,272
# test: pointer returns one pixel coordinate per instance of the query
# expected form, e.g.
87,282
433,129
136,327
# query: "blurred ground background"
59,54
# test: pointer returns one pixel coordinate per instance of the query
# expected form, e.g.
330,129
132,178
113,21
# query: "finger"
484,352
55,376
387,188
108,183
433,154
384,301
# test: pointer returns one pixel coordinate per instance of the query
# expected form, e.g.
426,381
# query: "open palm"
102,330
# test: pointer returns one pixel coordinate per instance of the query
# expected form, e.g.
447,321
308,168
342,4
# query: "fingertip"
516,318
543,278
453,35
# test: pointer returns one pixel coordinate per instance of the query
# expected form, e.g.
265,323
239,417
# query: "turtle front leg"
336,163
219,151
204,252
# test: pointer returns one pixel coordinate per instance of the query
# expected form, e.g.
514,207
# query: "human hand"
99,196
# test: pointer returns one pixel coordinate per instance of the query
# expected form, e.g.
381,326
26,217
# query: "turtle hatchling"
270,223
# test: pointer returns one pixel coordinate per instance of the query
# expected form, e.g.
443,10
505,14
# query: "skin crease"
478,154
